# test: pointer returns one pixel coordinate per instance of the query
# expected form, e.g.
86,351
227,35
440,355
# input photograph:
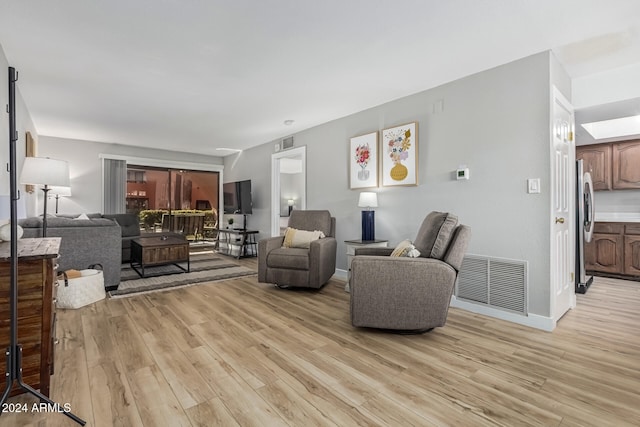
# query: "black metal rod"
44,215
14,351
13,287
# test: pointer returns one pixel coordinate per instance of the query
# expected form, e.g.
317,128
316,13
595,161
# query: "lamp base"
368,225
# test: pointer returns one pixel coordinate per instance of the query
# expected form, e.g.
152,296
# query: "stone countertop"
617,217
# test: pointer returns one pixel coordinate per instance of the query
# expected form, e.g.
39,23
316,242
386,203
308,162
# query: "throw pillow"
405,249
82,216
294,238
402,248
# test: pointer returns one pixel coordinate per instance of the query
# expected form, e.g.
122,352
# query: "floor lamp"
45,171
58,192
14,351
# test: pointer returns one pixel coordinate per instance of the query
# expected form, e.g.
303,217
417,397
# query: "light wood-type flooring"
242,353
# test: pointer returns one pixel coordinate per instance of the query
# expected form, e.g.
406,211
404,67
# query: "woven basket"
80,291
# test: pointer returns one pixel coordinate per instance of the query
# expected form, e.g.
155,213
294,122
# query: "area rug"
205,267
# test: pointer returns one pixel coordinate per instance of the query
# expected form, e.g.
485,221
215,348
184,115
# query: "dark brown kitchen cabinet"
632,249
626,164
605,253
614,249
597,161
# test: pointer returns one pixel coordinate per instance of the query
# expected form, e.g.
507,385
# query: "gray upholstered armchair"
309,267
409,294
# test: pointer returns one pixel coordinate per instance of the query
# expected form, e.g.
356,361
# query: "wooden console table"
37,263
243,240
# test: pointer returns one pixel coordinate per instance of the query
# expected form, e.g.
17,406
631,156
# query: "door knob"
559,220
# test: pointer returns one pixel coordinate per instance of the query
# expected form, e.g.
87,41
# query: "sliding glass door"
178,200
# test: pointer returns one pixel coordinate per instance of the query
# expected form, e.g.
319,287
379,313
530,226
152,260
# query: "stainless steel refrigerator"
584,225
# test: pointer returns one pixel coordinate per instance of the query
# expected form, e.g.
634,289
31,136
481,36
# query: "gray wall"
85,167
253,164
23,124
496,122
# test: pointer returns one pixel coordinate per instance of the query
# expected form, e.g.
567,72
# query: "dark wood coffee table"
162,250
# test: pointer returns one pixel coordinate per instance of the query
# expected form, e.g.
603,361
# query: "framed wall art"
399,151
363,161
30,151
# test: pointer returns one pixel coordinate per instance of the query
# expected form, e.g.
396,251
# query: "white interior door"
285,165
563,188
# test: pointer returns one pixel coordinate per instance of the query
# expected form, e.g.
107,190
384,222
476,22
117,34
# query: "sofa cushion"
294,238
289,258
129,223
89,215
36,222
31,222
435,233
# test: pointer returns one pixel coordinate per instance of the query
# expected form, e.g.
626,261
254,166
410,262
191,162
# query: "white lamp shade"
368,200
290,202
45,171
60,191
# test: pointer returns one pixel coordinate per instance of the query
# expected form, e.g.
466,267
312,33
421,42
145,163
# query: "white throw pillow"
406,249
294,238
82,216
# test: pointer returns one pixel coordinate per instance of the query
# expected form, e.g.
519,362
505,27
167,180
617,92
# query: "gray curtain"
115,186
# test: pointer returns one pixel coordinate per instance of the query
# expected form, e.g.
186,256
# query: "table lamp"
368,200
46,172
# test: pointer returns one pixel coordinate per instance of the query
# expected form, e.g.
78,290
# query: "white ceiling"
196,75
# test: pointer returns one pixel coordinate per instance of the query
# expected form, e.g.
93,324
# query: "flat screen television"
237,197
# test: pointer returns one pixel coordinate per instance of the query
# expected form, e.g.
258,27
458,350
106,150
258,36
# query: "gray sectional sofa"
84,242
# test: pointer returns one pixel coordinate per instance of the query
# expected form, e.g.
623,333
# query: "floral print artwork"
363,161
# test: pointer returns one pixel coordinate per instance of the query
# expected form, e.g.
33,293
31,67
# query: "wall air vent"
287,143
496,282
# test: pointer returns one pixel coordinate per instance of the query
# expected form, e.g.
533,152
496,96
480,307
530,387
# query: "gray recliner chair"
296,266
409,294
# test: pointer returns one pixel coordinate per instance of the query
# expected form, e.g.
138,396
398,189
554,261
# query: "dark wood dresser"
37,263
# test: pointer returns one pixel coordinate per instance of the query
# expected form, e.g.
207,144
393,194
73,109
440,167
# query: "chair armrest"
322,260
374,251
270,243
393,272
264,247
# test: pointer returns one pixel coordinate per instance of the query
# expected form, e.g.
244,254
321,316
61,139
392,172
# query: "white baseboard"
340,274
531,320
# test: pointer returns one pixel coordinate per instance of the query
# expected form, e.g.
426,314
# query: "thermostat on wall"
462,173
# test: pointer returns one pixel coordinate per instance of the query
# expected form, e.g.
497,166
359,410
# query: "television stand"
244,241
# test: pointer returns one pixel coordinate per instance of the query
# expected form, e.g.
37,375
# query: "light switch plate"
533,185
